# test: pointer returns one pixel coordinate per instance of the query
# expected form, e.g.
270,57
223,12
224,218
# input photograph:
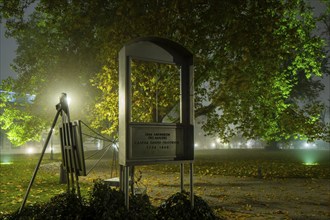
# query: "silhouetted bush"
108,203
141,208
63,206
178,206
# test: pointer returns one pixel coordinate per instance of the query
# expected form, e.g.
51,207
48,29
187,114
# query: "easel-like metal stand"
70,156
63,110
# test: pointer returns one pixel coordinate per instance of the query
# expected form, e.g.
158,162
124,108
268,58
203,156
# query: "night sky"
7,54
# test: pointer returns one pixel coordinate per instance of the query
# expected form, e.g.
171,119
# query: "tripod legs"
39,162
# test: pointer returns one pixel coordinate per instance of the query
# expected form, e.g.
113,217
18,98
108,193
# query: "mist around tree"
257,64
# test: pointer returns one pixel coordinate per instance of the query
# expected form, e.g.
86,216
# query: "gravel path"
249,198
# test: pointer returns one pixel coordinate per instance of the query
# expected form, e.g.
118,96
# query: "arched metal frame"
157,50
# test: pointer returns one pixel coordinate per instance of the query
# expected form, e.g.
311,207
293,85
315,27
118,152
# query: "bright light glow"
249,143
115,146
310,160
6,160
68,99
196,145
30,150
225,145
218,140
98,145
213,145
6,163
307,145
310,164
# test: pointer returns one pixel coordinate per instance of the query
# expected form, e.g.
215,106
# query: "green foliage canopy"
255,61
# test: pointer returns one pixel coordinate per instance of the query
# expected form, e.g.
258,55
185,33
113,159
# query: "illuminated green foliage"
255,62
155,91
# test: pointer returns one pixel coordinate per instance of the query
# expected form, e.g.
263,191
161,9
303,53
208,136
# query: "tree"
254,60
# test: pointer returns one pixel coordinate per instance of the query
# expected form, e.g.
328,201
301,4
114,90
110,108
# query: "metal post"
73,190
76,169
121,178
114,163
132,179
67,170
191,172
39,162
181,176
126,183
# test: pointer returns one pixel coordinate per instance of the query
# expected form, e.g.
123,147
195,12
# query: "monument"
156,117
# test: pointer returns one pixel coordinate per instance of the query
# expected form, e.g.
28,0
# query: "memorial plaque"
156,142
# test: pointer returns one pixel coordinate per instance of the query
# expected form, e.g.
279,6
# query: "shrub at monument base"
64,206
141,208
108,203
178,207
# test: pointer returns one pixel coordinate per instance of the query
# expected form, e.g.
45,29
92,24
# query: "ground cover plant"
16,173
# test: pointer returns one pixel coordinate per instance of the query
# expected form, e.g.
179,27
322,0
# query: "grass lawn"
16,171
